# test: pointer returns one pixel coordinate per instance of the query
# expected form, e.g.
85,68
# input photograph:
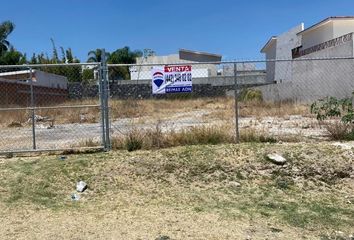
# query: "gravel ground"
71,135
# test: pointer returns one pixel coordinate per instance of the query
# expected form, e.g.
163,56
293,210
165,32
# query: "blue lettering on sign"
178,89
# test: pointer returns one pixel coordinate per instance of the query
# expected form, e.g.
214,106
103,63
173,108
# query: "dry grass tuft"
340,131
155,138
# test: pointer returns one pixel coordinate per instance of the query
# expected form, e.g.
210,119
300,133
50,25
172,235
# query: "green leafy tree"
122,56
73,73
88,76
12,57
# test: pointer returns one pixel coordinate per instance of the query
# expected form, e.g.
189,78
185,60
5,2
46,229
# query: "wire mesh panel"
283,108
52,107
159,119
15,118
61,106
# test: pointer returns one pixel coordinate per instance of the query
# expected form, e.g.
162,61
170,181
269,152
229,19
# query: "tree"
55,57
73,73
34,59
124,56
96,55
12,57
6,29
88,76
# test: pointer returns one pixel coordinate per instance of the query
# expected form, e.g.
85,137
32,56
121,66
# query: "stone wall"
144,91
202,87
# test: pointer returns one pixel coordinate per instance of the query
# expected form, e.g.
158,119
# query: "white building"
280,47
39,78
199,70
310,80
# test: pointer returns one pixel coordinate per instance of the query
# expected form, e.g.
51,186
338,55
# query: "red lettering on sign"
185,68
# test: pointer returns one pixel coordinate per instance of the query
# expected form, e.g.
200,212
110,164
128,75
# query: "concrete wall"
281,49
343,50
270,66
285,43
315,79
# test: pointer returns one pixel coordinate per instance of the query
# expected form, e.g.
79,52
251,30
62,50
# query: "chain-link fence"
273,102
50,107
66,106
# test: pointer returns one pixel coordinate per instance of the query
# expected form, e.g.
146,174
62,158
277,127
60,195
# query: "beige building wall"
318,35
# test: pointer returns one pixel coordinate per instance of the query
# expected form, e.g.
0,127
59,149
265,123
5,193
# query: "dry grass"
155,138
340,131
207,110
263,109
193,192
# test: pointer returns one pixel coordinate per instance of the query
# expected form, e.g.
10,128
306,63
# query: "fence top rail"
230,62
53,107
28,66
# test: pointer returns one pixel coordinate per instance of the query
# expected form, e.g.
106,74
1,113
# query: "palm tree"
5,29
96,55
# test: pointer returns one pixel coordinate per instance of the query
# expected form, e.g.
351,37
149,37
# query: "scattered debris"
38,118
62,158
234,184
275,230
75,197
9,155
163,238
276,158
14,124
343,146
81,186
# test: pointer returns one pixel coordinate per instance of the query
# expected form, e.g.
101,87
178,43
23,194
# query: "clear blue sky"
237,29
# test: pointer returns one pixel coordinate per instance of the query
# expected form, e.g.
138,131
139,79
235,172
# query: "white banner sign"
172,79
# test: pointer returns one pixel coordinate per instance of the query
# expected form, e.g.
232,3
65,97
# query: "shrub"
134,140
251,95
332,108
339,130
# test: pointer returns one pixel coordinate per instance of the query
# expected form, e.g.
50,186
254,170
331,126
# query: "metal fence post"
236,104
33,111
105,99
100,85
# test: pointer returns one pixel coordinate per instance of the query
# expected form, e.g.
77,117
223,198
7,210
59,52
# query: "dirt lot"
73,128
194,192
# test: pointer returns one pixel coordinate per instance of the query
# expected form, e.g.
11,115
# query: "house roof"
272,40
325,21
198,52
197,56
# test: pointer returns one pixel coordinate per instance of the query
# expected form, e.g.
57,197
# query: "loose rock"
276,159
81,186
234,184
